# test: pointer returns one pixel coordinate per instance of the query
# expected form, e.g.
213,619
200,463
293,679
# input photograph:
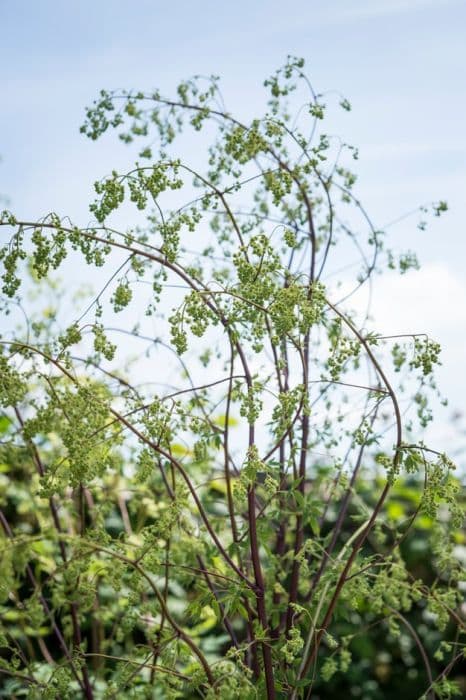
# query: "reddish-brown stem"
48,612
259,584
299,535
77,636
340,519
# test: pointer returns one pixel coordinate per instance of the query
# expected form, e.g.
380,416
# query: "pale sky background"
402,64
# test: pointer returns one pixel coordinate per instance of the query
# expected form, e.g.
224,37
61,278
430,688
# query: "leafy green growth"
273,525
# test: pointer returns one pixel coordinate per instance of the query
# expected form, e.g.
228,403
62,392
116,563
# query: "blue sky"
402,64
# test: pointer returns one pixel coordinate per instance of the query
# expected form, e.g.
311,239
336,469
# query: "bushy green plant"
252,532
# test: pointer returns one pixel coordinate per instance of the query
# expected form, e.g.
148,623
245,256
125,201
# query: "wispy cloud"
410,148
368,9
431,293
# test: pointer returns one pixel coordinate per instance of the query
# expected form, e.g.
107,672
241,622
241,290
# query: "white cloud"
431,300
368,9
409,148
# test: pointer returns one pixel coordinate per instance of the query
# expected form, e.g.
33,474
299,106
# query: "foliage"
274,526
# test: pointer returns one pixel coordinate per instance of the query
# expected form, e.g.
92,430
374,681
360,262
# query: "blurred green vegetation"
377,656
